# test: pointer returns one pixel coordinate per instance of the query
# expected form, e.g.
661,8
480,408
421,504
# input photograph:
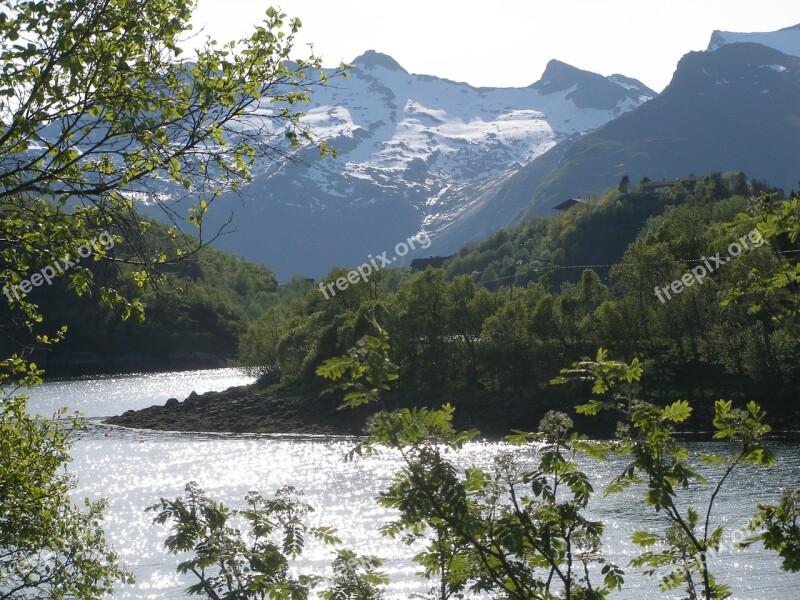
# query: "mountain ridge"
734,108
404,141
419,152
786,40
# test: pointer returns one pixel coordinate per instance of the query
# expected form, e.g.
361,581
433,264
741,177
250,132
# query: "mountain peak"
705,74
558,75
786,40
724,110
371,59
590,90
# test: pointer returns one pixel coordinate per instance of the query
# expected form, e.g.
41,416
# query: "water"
133,469
109,395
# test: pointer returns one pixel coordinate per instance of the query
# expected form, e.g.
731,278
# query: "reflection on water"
133,469
109,395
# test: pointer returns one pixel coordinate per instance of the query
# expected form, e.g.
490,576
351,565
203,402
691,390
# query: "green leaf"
677,412
645,538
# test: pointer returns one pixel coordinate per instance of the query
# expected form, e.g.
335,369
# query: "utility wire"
557,266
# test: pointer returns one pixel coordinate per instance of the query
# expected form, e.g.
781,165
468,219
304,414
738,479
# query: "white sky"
508,42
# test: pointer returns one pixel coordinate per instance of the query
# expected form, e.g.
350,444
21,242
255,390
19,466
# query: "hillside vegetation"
498,321
195,316
505,315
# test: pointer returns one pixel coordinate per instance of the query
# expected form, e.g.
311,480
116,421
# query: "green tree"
514,532
229,564
518,530
49,548
98,109
778,527
657,460
624,183
419,311
774,292
258,347
506,347
467,308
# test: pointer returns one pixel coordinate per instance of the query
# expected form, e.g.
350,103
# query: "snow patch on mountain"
784,40
423,132
420,149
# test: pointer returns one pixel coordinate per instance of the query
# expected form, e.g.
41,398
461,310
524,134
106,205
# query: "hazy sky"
508,42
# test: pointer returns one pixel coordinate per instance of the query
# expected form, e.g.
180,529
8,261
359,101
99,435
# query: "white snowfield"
417,152
784,40
418,134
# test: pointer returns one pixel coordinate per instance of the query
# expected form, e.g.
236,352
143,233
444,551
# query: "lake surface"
133,469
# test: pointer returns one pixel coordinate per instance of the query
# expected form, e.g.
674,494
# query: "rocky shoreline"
246,409
242,410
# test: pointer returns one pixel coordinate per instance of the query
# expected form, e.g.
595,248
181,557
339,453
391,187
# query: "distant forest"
501,317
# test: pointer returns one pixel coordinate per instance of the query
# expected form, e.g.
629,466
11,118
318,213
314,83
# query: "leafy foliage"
49,547
778,529
774,291
518,530
229,564
99,111
658,461
514,531
366,369
355,578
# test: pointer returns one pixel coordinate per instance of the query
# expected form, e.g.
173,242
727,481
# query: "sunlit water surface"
133,469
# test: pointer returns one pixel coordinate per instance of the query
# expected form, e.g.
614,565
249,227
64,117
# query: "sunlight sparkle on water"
133,469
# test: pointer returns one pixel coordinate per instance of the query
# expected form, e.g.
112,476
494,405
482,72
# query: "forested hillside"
194,316
504,316
501,317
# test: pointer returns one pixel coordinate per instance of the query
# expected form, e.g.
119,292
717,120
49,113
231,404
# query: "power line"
558,267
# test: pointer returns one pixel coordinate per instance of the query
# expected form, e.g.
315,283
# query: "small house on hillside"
689,182
435,262
656,186
567,204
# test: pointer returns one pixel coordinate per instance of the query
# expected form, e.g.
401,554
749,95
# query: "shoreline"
241,410
133,365
247,410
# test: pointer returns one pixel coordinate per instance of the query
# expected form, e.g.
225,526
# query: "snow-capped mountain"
415,151
785,40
